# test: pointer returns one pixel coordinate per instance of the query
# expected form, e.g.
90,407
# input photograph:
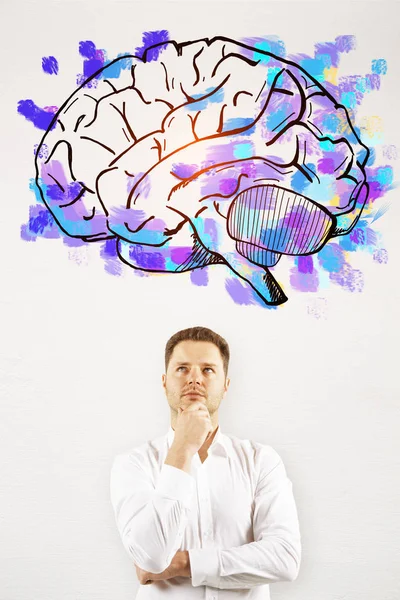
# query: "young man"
204,514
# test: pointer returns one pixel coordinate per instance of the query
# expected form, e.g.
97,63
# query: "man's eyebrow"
203,364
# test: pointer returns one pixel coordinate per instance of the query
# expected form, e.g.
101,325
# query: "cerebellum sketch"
204,152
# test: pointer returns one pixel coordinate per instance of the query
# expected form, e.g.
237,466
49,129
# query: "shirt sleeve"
151,517
276,552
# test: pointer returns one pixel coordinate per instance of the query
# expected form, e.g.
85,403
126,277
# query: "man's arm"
273,556
151,519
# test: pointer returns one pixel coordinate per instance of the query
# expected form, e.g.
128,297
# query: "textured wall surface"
81,351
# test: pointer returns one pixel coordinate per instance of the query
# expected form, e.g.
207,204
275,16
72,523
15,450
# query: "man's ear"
227,383
163,379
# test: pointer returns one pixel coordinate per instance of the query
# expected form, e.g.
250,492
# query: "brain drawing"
204,152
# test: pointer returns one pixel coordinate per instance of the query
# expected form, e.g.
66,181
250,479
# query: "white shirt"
235,514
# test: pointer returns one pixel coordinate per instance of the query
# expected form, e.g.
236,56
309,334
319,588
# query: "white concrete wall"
82,352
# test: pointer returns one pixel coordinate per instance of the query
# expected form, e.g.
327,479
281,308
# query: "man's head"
196,367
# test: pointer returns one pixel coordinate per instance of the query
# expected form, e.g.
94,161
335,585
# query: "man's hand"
179,567
193,426
192,429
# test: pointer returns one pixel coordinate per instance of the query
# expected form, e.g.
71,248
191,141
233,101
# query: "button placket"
206,522
204,508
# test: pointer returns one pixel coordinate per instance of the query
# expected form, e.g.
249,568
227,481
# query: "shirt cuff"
176,484
204,567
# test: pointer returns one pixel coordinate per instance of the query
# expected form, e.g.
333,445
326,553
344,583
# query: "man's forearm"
179,567
179,457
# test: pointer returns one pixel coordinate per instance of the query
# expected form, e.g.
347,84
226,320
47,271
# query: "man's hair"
198,334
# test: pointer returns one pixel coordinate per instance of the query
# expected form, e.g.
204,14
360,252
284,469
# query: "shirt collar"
219,444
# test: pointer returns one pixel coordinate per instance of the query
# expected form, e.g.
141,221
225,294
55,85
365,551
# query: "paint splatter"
381,256
318,308
50,65
151,38
239,292
40,117
307,273
199,277
108,252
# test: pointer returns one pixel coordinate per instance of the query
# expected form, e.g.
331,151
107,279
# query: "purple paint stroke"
109,254
43,151
328,49
228,186
152,38
50,65
348,278
304,282
40,117
73,242
94,60
326,166
304,278
184,171
146,260
180,255
199,277
87,49
381,256
346,43
40,224
305,264
240,294
364,236
211,229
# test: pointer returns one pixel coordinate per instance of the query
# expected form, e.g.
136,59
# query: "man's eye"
181,368
209,369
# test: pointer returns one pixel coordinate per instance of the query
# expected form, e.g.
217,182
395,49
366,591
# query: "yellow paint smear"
331,75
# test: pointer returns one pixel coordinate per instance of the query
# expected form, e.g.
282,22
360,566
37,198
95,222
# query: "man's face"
195,372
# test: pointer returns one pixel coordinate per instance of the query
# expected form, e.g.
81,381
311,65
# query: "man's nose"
195,376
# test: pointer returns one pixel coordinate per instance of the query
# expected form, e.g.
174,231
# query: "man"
204,514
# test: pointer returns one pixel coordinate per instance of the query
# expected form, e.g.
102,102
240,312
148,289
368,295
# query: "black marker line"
68,107
282,91
196,67
342,163
139,93
57,182
79,196
235,97
84,137
166,75
259,94
279,124
170,106
111,85
90,217
250,62
140,226
123,115
221,119
78,122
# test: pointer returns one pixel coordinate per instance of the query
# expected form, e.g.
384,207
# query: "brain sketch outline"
207,152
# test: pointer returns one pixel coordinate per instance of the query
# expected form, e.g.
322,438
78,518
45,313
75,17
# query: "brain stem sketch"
204,152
